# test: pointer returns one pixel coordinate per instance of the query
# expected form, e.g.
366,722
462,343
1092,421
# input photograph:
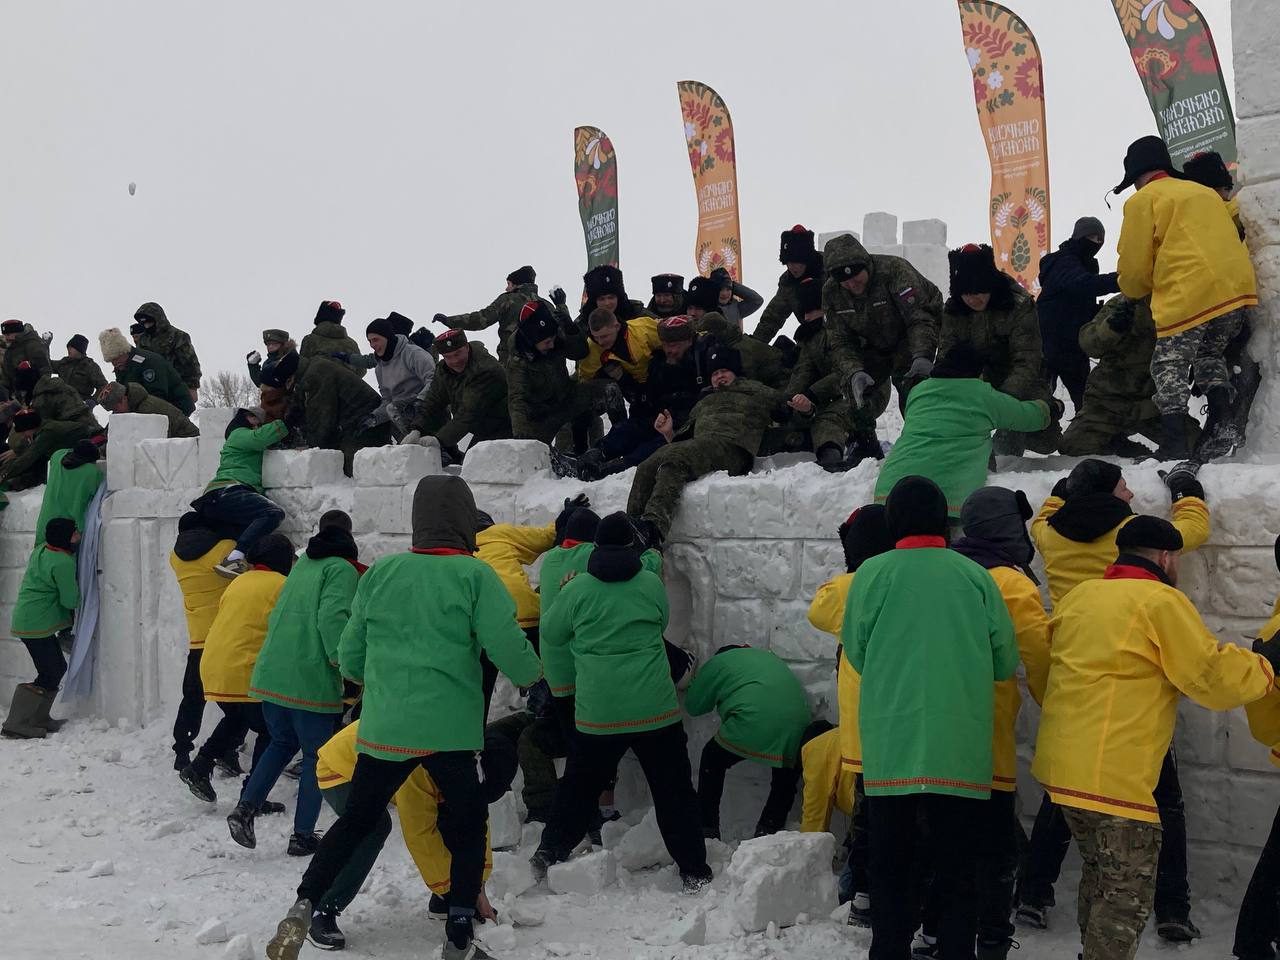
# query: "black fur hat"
973,270
703,292
797,245
525,274
668,283
603,280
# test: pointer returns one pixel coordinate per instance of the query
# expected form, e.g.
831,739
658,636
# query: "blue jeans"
291,730
242,506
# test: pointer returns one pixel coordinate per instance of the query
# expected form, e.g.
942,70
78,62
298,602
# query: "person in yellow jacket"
418,804
828,783
1179,246
865,534
1076,528
1123,649
1258,925
618,356
230,650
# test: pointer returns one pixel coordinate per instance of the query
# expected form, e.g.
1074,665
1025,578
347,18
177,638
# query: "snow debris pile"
776,879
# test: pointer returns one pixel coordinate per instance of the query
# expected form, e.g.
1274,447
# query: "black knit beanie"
1148,533
79,342
525,274
582,525
382,327
916,507
1092,476
58,532
273,551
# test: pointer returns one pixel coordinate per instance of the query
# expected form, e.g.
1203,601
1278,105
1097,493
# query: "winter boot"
291,933
271,808
1032,915
240,823
648,535
42,717
541,862
460,940
229,766
1177,929
831,458
324,932
925,947
1129,449
1221,434
303,844
860,910
23,713
995,949
694,882
1173,438
862,446
197,781
438,907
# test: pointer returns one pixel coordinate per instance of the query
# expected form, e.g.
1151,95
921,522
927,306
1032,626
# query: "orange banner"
709,134
1008,86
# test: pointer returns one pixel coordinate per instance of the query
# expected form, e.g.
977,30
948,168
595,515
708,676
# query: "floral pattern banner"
1178,65
595,169
708,131
1008,87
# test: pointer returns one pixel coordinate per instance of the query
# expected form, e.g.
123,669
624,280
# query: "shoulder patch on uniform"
907,294
137,358
149,376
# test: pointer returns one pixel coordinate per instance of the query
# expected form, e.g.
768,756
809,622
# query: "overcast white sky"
407,155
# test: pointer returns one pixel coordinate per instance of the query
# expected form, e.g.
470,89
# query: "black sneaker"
1177,929
860,910
324,932
198,783
303,844
270,808
229,766
1032,915
438,907
995,949
693,882
240,823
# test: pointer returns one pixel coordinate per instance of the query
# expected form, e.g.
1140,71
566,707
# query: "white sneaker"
232,568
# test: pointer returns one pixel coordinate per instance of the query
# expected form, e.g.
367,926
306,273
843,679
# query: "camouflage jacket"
28,346
1008,339
473,401
329,402
816,374
785,304
539,385
329,337
739,413
171,343
1122,377
760,362
55,399
82,373
142,402
504,311
158,376
895,320
31,464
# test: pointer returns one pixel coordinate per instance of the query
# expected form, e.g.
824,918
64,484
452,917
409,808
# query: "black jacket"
1070,286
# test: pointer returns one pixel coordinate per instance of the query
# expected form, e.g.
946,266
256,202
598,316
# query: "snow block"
1254,32
126,431
504,822
213,931
775,879
587,875
239,947
924,231
511,876
396,466
167,464
880,229
213,424
506,461
382,509
643,846
301,468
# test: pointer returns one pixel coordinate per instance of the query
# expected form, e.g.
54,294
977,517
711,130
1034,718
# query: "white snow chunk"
774,879
771,931
504,822
500,939
112,920
530,834
388,896
511,876
166,829
213,931
611,833
239,947
692,929
111,755
643,845
524,914
102,868
586,875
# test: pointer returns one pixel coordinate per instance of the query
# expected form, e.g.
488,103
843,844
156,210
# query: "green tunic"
48,597
241,458
67,493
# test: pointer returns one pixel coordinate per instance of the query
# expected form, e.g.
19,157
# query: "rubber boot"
1173,438
42,712
21,722
1220,435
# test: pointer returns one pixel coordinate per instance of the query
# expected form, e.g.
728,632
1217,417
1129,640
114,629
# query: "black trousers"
859,840
901,827
237,719
715,763
49,661
1258,926
1050,839
995,869
463,820
186,725
664,758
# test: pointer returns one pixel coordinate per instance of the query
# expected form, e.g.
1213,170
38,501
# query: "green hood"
843,250
444,515
327,328
152,311
719,327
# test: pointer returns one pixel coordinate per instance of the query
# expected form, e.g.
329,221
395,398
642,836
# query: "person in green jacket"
929,633
139,365
235,496
946,435
74,478
47,601
419,624
611,618
763,714
297,679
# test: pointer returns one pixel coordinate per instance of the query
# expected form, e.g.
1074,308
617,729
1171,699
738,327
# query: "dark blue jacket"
1070,286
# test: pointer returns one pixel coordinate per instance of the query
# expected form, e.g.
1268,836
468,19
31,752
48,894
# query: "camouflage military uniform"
328,337
817,377
542,395
57,401
170,342
142,402
473,401
30,467
1118,394
28,346
727,426
894,321
332,403
1198,350
785,304
504,311
1009,341
158,376
1117,883
760,362
84,376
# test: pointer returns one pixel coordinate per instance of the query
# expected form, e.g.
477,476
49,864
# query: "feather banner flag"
595,171
708,131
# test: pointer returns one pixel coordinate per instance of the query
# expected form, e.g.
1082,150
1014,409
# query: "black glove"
1121,318
1056,409
558,296
340,356
1060,489
411,410
1269,649
570,504
1183,483
441,319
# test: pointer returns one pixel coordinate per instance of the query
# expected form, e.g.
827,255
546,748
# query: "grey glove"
369,422
920,368
859,384
253,358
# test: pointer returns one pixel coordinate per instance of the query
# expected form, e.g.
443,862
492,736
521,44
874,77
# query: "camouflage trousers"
1094,433
659,481
1198,351
1117,883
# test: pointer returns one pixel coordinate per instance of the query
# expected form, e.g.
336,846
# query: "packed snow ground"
107,855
